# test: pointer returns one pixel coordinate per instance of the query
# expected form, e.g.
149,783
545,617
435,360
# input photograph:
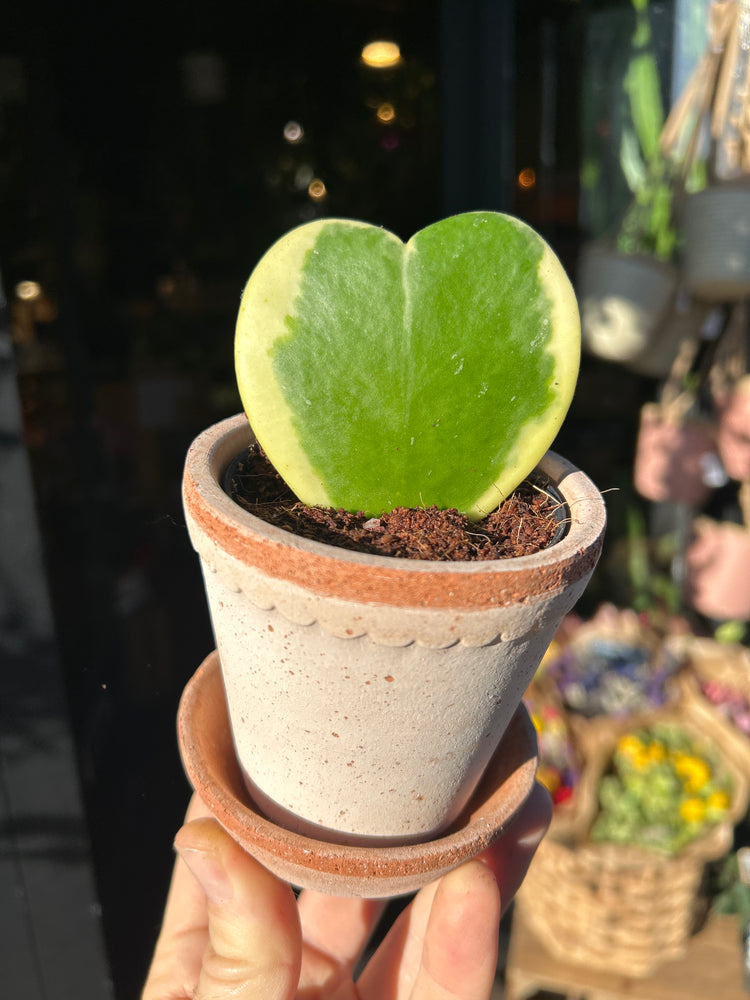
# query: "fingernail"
209,873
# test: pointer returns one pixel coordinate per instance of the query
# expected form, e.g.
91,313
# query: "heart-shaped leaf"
379,374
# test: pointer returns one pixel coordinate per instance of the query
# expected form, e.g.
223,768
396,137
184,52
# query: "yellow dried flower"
656,751
694,771
548,777
719,801
693,810
629,745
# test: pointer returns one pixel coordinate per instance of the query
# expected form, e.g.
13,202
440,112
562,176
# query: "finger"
178,953
335,932
186,903
393,970
459,956
510,856
254,932
444,945
197,809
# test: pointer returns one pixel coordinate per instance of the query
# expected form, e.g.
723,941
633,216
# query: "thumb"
253,925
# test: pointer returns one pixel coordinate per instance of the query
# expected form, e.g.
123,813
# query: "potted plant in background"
717,582
733,436
633,309
676,451
710,125
368,694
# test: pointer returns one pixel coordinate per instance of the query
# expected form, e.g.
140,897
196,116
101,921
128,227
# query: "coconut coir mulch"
525,522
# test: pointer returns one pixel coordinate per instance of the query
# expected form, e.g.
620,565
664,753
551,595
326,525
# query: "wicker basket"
618,908
729,666
616,627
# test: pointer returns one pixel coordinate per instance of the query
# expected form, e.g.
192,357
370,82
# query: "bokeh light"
29,291
381,54
385,113
293,132
317,190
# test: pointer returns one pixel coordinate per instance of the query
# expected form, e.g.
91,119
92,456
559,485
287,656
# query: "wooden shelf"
711,968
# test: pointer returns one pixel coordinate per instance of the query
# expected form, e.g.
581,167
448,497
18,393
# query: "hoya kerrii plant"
379,374
368,696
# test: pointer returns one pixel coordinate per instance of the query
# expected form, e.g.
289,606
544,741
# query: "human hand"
233,930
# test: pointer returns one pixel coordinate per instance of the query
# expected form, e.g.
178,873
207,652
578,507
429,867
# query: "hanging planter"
716,254
717,578
672,452
675,448
716,102
717,582
734,431
626,301
633,308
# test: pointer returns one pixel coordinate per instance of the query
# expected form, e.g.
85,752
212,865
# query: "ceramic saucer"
208,756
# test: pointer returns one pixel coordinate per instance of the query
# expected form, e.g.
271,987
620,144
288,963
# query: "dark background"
143,171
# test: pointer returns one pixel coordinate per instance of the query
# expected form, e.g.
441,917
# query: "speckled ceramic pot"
626,300
367,694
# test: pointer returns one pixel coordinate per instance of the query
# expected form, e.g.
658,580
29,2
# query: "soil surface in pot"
528,520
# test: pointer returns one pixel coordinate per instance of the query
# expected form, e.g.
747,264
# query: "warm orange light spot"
29,291
381,54
527,178
386,113
317,189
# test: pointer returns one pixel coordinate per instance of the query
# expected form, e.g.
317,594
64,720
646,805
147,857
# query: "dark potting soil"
528,520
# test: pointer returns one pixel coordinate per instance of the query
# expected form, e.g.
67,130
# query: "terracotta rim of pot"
353,576
340,869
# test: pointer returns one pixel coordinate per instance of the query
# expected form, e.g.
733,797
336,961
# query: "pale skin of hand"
233,930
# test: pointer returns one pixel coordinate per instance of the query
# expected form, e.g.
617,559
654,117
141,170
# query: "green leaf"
631,160
647,111
378,374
